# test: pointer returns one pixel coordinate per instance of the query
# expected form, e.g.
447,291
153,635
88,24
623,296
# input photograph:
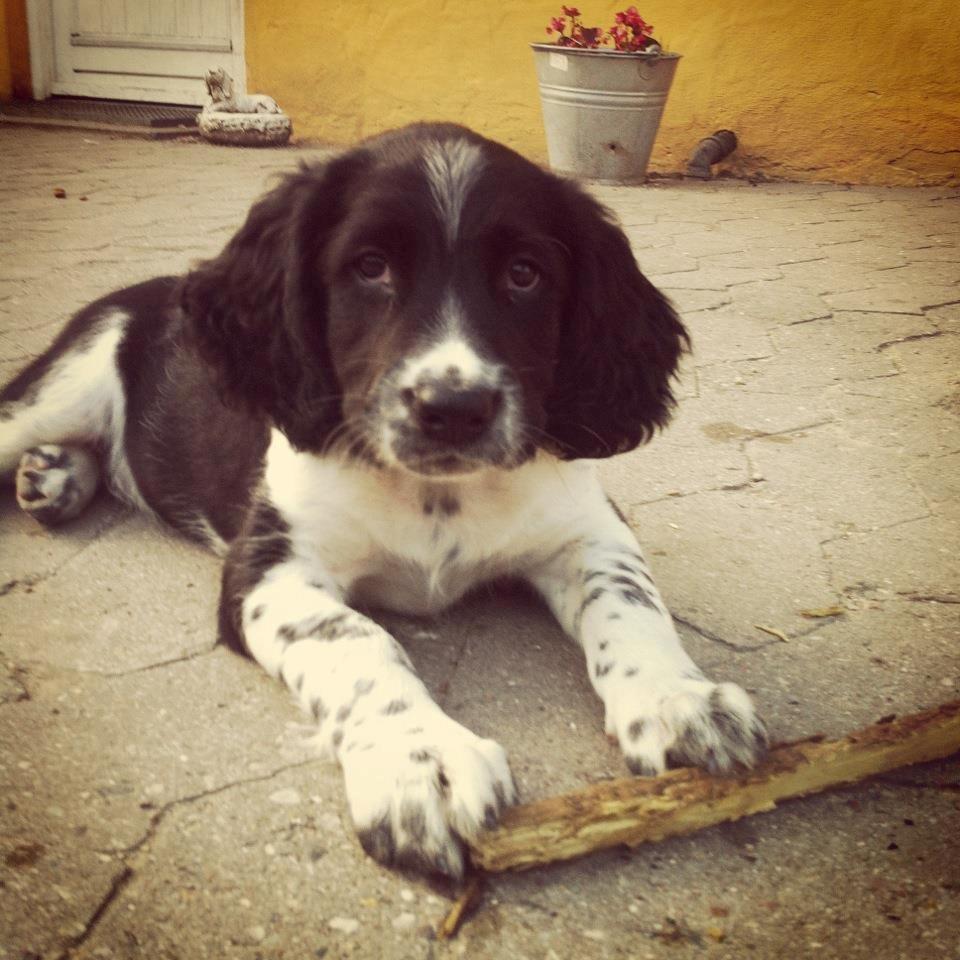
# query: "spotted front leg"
660,707
418,784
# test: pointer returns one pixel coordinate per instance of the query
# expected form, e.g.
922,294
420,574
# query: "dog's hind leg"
63,412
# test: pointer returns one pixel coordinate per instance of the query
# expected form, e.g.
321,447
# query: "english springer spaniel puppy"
387,389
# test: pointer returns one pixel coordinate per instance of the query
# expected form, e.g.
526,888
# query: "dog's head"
433,301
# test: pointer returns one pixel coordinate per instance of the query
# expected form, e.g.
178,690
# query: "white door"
155,50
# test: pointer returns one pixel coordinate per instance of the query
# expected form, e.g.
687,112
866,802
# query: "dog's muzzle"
448,424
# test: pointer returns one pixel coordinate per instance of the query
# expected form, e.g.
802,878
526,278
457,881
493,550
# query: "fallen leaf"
774,632
820,612
25,855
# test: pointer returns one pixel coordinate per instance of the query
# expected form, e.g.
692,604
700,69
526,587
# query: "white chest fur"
399,541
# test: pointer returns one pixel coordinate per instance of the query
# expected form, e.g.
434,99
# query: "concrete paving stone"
33,552
827,459
926,372
841,231
853,334
916,558
675,464
529,677
666,260
638,221
116,605
687,301
109,757
894,297
50,890
923,273
235,874
709,244
39,313
716,278
934,252
715,339
866,259
777,302
946,317
833,274
108,677
108,752
715,555
917,429
928,363
774,376
750,229
945,236
938,479
12,687
771,255
672,226
893,655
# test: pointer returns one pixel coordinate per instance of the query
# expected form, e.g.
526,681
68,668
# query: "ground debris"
468,900
822,612
774,632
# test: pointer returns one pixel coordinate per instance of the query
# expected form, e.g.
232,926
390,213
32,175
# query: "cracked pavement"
159,797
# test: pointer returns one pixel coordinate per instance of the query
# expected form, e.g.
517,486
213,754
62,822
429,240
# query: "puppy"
386,390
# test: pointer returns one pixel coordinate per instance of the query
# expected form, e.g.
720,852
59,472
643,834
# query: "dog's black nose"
451,415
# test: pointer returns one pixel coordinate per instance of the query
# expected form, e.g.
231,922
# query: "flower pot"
601,109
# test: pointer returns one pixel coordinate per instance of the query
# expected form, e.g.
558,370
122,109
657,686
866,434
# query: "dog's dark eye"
373,267
522,275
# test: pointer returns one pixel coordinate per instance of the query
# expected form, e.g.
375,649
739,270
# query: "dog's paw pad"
54,483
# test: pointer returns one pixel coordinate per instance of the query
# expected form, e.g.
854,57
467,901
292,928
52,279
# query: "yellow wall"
864,92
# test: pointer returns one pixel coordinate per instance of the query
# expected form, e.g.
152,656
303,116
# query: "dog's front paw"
415,795
685,722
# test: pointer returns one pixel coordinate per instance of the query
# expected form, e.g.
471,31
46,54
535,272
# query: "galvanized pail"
601,109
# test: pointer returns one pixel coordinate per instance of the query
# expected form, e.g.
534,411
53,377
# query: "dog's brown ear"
620,343
259,308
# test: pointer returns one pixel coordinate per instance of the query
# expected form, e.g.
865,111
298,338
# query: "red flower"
629,33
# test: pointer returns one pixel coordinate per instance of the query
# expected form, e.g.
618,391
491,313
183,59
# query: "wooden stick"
635,811
467,900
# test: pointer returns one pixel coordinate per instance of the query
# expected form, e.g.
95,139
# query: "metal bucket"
601,109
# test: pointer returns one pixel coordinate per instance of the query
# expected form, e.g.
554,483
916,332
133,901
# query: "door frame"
40,31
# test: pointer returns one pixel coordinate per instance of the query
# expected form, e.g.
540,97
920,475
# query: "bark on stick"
634,811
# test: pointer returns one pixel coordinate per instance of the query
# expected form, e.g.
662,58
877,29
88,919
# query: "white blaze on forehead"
452,168
449,356
450,353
